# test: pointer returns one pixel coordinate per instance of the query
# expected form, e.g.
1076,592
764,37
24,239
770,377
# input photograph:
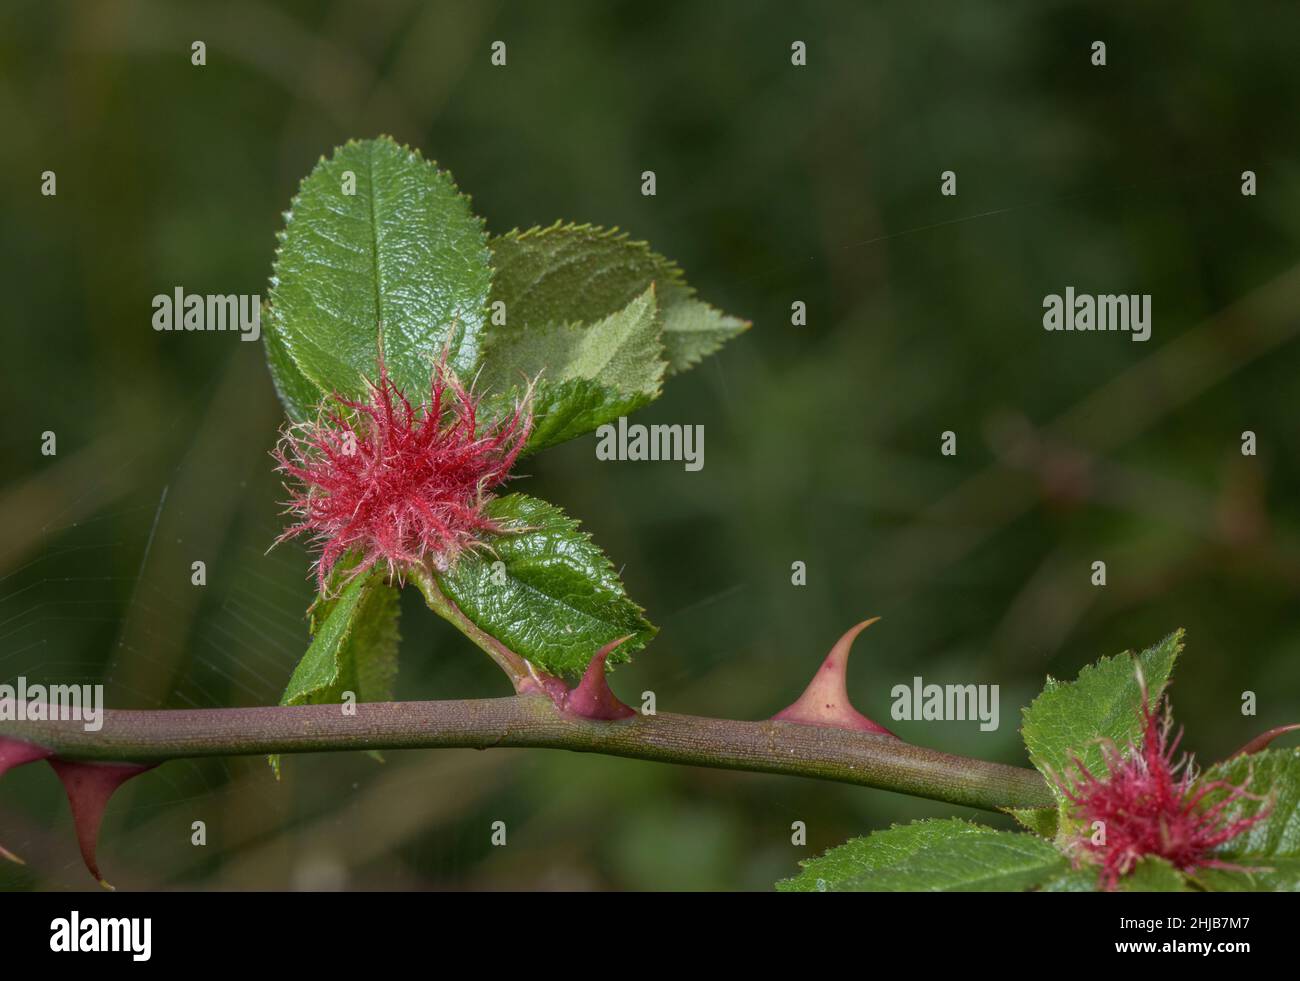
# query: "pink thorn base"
593,699
825,702
89,787
14,752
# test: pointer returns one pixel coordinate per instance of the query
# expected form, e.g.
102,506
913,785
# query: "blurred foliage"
774,184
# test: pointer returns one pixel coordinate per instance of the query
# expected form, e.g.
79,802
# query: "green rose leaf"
932,856
580,274
1278,874
298,394
693,330
621,351
547,592
1268,853
1041,821
1072,880
1151,874
1154,874
587,375
1069,718
570,409
376,236
354,645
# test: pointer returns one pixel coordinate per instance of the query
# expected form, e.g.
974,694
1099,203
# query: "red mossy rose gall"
1151,805
394,483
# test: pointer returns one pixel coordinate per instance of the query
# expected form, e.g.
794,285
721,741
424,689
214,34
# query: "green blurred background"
775,184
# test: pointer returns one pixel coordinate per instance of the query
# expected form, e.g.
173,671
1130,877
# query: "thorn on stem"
89,787
593,699
825,702
15,752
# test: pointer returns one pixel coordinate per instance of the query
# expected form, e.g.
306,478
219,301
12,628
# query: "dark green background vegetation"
822,442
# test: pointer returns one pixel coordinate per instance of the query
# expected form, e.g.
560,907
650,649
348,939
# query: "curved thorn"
593,699
89,787
825,702
1263,739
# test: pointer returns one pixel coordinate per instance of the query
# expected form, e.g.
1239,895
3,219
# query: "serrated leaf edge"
288,217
